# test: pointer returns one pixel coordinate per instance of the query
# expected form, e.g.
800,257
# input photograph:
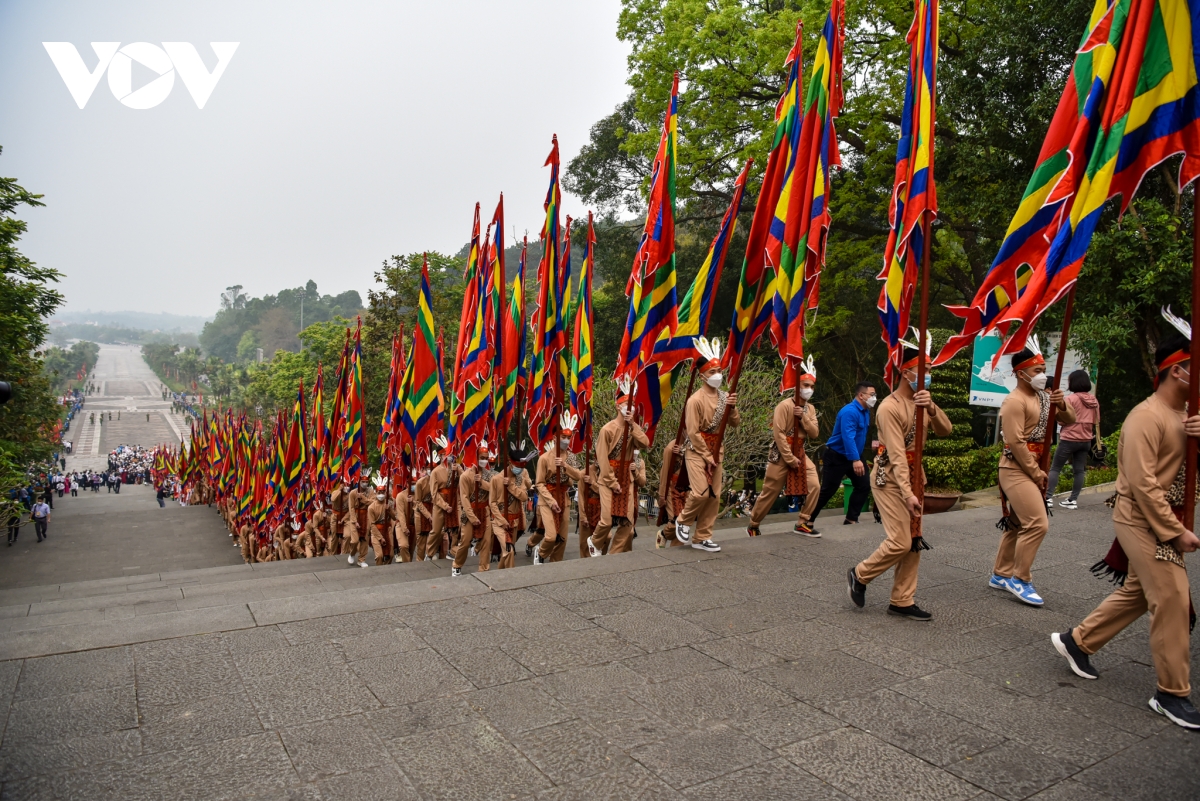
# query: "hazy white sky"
339,134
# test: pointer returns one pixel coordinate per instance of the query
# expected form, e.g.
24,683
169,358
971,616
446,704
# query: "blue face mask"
928,379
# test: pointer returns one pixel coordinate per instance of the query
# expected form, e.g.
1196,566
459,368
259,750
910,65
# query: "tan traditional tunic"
702,415
1024,417
507,508
1150,455
473,489
892,479
780,460
553,545
381,516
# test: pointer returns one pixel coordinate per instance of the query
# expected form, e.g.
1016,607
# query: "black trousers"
835,468
39,526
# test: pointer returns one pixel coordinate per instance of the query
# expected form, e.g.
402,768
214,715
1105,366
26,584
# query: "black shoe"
1081,666
912,612
1178,710
857,590
848,522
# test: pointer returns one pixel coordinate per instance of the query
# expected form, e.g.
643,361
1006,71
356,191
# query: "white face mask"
871,401
483,464
564,444
806,392
518,470
715,380
636,453
1039,381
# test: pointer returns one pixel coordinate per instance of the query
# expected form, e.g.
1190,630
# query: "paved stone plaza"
656,674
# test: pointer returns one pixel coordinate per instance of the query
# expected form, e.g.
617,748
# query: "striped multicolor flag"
296,454
336,450
580,383
393,402
546,315
914,194
424,400
1131,100
355,456
467,360
796,244
696,307
756,286
477,404
510,372
651,286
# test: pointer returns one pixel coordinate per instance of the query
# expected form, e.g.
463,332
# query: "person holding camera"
1076,439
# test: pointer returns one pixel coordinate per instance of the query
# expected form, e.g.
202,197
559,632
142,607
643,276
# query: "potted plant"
940,499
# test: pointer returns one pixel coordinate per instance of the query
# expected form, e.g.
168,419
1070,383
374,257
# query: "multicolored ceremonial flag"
1131,101
423,401
581,381
796,242
756,286
696,307
336,450
355,456
470,320
296,455
510,375
914,194
653,306
547,338
393,402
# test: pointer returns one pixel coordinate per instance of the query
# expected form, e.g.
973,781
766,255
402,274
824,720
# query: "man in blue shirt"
844,450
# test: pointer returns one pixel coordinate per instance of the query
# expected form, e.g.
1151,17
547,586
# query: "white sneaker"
428,558
350,559
471,551
455,572
683,533
593,550
706,545
362,564
1068,504
537,558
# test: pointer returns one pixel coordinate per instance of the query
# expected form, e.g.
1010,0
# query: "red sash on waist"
623,493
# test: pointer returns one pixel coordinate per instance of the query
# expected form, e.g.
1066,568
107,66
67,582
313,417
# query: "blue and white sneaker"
1024,591
997,582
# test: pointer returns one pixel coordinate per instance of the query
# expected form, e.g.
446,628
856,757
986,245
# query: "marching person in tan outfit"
782,463
324,539
702,414
1151,539
898,504
444,491
422,501
356,521
618,499
307,543
475,537
553,485
1023,421
587,505
507,496
283,539
402,531
381,518
338,502
246,539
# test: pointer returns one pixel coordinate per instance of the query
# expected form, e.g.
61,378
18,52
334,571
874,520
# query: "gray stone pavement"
657,674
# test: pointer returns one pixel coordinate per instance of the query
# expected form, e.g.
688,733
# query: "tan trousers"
358,543
441,533
773,484
507,553
377,545
247,553
622,541
895,550
403,545
700,510
585,533
554,543
1154,586
465,535
1018,548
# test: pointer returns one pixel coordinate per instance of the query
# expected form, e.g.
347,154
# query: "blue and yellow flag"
424,400
914,195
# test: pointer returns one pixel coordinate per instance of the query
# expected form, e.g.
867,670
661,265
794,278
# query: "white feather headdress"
709,349
1182,326
568,421
809,367
915,346
379,480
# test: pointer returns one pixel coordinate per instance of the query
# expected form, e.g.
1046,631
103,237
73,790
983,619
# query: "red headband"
910,364
711,364
809,376
1178,357
622,398
1033,360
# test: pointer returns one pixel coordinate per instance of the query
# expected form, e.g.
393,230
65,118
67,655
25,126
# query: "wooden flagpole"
918,471
1193,407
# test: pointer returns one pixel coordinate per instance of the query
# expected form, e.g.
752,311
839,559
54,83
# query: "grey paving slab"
659,674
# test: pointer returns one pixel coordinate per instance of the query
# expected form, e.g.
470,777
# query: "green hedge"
967,472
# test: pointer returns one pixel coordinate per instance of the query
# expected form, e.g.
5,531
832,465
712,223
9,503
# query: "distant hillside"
144,321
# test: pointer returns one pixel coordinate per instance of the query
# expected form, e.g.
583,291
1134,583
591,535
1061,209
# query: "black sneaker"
1178,710
857,590
912,612
1081,666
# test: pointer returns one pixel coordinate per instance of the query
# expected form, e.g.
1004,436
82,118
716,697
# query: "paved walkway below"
664,674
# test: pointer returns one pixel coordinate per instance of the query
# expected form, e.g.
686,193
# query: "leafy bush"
965,472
